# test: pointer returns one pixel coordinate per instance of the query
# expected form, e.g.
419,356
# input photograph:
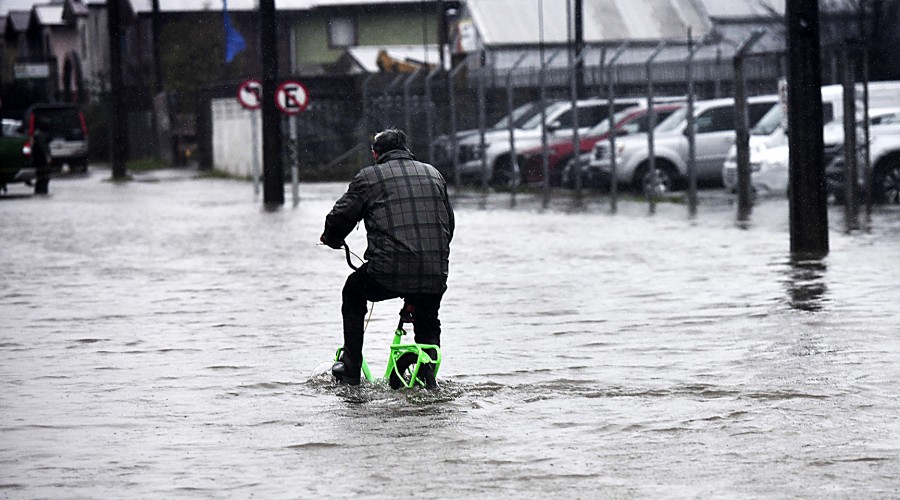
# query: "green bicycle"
405,361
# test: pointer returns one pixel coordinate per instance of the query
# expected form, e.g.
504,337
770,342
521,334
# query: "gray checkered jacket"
409,222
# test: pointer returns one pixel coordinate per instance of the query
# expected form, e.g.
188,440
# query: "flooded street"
161,338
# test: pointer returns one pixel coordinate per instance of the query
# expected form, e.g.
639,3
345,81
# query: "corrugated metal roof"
145,6
513,22
743,8
49,15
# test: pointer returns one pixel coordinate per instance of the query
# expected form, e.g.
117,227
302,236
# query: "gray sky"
8,5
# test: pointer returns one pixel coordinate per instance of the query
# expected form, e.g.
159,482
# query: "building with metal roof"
515,38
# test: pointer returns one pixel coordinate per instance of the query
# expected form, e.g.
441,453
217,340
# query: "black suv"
67,131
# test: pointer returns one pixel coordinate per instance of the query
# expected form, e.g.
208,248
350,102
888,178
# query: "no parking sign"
291,98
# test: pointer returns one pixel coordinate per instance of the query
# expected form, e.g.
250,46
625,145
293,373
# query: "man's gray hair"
389,139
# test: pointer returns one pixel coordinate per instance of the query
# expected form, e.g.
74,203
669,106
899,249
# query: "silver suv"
714,136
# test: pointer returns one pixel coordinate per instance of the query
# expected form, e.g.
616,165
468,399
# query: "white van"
768,140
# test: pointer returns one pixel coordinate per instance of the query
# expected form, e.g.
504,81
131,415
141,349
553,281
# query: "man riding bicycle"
409,225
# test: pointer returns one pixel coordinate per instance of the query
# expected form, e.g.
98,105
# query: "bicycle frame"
398,349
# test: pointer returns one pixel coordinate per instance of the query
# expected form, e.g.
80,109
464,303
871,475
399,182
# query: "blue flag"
234,42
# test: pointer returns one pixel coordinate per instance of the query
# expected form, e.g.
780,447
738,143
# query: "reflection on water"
805,282
174,341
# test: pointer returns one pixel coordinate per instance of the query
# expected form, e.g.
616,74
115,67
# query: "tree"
193,54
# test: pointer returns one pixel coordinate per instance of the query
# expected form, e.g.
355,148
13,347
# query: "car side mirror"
622,131
554,126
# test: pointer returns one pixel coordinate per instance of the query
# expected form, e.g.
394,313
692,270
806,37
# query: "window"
341,32
716,120
756,110
588,116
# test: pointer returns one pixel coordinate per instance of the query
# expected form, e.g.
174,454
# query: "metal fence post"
741,128
482,125
513,158
429,112
576,139
545,164
692,134
611,96
385,98
454,141
407,117
654,187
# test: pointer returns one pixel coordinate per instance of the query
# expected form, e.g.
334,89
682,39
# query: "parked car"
23,158
714,135
767,139
769,153
68,133
559,119
442,146
884,156
633,120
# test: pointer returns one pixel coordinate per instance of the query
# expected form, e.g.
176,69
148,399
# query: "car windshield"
769,122
673,121
603,127
535,120
520,115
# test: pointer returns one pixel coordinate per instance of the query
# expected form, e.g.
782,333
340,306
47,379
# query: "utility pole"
118,123
808,203
273,165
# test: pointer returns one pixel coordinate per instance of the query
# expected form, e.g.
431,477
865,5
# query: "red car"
628,121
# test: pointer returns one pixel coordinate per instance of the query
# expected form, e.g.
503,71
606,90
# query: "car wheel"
79,167
503,175
664,182
886,182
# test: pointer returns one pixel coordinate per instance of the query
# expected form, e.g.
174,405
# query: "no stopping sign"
291,97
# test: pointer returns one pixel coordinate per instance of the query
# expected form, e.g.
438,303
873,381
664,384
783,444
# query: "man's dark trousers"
361,289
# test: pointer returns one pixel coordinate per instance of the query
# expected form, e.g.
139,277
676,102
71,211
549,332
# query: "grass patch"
145,165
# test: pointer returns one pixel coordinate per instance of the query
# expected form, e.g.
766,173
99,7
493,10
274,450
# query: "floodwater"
161,339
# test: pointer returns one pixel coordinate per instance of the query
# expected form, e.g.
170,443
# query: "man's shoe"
426,373
345,374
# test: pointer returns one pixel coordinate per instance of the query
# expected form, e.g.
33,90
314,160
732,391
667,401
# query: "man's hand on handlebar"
335,245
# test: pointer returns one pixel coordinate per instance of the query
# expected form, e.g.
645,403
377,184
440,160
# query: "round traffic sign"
291,97
250,94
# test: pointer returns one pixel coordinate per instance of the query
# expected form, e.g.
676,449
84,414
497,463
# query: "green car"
23,158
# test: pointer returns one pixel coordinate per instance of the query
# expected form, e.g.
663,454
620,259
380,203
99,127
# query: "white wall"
232,137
